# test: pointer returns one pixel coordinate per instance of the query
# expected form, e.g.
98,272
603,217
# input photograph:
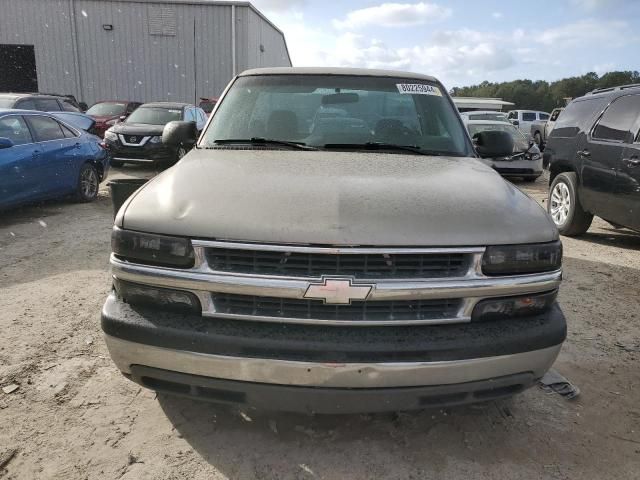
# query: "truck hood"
336,198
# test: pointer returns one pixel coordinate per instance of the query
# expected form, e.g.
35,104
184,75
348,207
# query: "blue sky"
463,42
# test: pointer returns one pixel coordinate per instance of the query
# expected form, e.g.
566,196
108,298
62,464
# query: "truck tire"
537,138
565,208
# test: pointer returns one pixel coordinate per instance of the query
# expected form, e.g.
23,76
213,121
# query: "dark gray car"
365,260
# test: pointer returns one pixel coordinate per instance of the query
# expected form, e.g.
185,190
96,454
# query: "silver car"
365,260
525,161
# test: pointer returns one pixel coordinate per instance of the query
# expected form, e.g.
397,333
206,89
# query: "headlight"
165,298
111,123
519,259
533,156
510,307
152,249
155,139
109,135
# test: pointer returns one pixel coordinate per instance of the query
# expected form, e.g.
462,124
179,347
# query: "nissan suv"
594,155
365,260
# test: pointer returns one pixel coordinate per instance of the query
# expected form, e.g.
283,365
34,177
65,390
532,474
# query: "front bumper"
148,153
330,369
517,168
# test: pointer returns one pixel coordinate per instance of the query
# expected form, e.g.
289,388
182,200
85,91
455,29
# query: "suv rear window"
579,114
618,122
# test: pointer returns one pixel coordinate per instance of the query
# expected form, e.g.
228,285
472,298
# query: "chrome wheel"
89,183
560,203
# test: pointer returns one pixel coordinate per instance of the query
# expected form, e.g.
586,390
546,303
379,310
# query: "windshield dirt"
320,110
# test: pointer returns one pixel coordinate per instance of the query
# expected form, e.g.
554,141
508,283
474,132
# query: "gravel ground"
73,415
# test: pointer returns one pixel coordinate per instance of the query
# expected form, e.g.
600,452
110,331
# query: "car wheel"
537,138
180,153
116,163
88,183
565,208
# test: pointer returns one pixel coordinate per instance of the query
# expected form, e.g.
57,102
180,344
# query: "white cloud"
278,5
393,15
585,31
497,15
603,68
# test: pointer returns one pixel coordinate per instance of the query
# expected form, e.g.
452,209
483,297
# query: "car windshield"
520,142
207,106
155,115
334,110
107,109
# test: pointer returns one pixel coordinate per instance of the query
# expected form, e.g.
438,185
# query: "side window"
67,106
619,119
554,115
26,104
528,116
544,116
578,115
513,115
68,133
45,128
15,129
47,105
130,108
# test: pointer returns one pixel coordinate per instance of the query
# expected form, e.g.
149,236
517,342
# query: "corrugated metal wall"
130,63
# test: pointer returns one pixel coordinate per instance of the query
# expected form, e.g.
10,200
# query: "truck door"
629,182
601,153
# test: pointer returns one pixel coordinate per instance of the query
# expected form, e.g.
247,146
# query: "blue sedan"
43,157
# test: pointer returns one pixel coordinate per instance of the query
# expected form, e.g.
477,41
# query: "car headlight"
510,307
534,156
155,139
152,249
164,298
109,135
520,259
111,123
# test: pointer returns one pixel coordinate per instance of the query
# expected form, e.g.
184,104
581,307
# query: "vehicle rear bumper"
330,369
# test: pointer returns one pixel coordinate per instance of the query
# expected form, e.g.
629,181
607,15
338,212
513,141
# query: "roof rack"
611,89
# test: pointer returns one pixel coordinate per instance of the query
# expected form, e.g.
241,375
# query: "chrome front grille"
365,311
265,282
357,265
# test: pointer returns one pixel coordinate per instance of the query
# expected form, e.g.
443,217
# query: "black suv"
594,155
43,102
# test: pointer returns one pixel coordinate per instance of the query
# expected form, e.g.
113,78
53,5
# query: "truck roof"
354,72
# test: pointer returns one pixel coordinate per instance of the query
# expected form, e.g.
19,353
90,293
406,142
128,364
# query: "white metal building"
139,50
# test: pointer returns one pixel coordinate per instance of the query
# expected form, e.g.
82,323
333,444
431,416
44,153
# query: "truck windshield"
337,110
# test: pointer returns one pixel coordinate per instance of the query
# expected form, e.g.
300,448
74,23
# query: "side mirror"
494,143
178,133
5,143
515,122
122,118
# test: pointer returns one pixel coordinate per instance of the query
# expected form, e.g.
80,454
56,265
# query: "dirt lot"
74,416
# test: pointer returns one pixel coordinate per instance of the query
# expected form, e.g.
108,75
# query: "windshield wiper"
384,146
263,141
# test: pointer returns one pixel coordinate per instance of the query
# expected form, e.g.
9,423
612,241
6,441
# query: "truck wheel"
537,138
88,183
564,206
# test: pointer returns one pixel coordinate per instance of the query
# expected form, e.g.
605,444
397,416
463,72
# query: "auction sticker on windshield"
418,89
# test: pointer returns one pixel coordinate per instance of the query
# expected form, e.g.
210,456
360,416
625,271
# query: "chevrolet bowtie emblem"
337,291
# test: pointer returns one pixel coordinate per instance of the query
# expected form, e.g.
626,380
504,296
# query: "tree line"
545,96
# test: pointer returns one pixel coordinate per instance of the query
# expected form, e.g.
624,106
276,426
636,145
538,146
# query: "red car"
207,104
108,113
